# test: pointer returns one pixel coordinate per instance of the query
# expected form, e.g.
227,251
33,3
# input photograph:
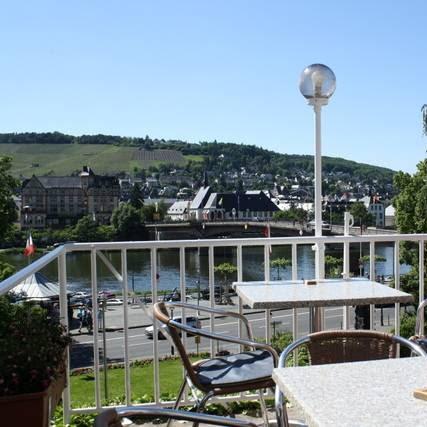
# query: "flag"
30,248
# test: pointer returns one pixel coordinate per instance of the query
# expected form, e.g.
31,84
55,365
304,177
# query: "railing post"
94,283
211,260
182,288
372,277
240,279
397,286
128,392
63,313
153,257
294,310
346,276
267,279
421,273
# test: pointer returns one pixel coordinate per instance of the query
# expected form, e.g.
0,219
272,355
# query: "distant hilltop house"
210,206
55,201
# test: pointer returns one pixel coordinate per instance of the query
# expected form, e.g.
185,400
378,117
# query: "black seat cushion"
236,368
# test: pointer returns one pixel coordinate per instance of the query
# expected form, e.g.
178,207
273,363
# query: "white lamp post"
317,85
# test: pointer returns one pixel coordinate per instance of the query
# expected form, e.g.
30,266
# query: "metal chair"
245,371
419,337
340,347
112,417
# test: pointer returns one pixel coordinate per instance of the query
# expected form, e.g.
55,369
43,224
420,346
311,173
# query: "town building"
57,201
376,208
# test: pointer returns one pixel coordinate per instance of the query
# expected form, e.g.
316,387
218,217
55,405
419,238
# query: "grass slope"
142,377
63,159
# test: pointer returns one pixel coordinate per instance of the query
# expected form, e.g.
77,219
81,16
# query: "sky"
225,70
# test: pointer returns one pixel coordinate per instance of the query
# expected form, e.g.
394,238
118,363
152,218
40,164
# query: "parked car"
192,321
106,294
114,301
81,294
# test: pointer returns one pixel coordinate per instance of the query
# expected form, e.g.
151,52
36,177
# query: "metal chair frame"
111,417
191,379
280,405
419,327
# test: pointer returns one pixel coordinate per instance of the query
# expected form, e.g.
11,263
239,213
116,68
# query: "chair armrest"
214,311
226,338
147,412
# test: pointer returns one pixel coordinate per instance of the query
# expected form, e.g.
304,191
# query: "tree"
136,199
280,263
411,217
225,269
128,223
86,230
8,185
333,266
361,215
6,270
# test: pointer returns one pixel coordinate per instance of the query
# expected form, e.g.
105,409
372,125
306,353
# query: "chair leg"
263,407
178,399
201,404
280,406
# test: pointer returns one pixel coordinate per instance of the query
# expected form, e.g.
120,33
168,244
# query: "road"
141,347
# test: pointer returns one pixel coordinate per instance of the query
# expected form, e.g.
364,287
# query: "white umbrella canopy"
37,286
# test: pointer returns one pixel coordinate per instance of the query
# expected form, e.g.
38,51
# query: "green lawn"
83,386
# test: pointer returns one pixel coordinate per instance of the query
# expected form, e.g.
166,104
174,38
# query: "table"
373,393
287,294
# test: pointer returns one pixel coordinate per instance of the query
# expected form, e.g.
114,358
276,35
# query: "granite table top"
374,393
295,294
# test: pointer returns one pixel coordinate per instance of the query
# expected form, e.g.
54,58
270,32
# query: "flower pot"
32,409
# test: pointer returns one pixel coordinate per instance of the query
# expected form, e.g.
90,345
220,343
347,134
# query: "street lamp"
317,85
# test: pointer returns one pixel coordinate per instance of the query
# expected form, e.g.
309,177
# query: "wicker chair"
245,371
112,417
340,347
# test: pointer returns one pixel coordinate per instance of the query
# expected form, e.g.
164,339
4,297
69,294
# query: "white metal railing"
96,252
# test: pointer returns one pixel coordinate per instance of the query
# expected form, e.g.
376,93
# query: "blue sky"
225,70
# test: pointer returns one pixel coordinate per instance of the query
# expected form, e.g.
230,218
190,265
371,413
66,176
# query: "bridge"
245,229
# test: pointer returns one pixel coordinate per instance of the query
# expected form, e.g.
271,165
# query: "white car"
81,294
114,301
192,321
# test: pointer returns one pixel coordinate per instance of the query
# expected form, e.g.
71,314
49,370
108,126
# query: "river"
139,275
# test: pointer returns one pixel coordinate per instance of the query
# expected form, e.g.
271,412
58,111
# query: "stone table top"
374,393
296,294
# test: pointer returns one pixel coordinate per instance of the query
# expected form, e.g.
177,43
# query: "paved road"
141,347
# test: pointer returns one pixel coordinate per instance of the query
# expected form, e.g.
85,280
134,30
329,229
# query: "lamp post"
317,84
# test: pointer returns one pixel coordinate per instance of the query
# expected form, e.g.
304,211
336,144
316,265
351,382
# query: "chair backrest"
161,313
350,346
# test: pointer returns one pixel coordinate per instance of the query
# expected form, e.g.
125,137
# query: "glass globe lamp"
317,82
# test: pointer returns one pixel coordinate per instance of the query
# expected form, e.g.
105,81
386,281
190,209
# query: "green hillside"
63,159
59,154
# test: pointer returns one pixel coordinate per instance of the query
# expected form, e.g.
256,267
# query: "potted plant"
32,363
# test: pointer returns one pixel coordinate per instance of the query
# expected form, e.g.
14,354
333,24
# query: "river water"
139,275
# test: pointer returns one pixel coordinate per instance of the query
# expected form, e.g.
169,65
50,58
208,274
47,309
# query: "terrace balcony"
120,339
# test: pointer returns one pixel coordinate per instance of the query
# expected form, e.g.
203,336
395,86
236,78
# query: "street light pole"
317,85
320,247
